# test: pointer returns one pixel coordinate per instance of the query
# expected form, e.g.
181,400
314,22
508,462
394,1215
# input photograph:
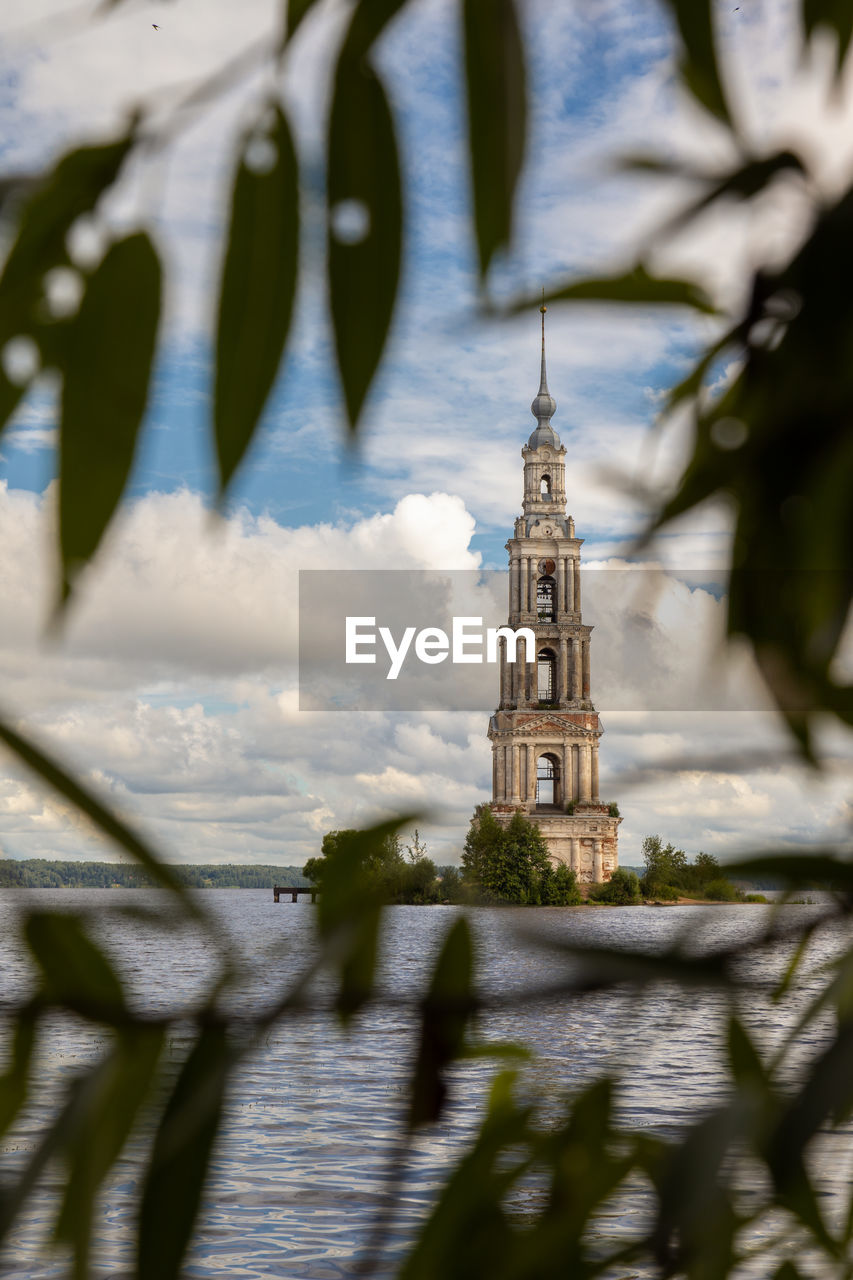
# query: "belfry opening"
545,732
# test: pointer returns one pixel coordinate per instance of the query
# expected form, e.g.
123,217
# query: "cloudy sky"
174,686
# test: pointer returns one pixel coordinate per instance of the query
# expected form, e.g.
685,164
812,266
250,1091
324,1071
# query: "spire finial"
543,406
543,380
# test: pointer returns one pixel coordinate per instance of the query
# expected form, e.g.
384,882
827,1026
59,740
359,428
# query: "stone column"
584,780
516,788
564,670
577,667
531,773
595,771
586,667
514,576
597,863
494,774
577,586
566,788
520,671
500,754
570,583
576,857
561,584
531,585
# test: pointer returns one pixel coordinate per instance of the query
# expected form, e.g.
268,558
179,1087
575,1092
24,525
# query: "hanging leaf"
446,1011
109,355
699,69
348,912
295,11
104,1117
365,209
75,972
71,189
13,1083
636,286
497,118
258,288
180,1157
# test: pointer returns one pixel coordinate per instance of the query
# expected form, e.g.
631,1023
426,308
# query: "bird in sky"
154,25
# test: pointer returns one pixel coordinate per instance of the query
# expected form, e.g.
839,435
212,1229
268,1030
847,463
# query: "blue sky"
174,688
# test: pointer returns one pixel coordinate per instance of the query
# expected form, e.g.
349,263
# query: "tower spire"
543,380
544,405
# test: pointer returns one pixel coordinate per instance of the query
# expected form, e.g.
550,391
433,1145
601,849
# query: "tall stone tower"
545,732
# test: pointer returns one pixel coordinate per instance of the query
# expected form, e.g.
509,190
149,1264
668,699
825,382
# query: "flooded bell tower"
545,732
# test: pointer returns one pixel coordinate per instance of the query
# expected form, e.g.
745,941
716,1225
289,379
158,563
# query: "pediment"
548,725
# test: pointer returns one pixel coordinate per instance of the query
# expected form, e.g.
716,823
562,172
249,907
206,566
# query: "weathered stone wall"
586,841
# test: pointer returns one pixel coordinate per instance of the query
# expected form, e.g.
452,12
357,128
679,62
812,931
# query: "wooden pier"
294,891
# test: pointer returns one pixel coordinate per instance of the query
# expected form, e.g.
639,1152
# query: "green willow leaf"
10,397
699,69
257,290
295,12
180,1157
747,1067
104,1118
348,913
636,286
109,354
13,1083
75,971
469,1232
53,773
743,183
497,118
695,1218
14,1196
446,1012
365,211
71,189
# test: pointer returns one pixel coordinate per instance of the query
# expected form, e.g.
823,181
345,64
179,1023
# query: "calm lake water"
303,1165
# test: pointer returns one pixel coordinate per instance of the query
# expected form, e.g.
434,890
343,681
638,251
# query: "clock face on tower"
546,566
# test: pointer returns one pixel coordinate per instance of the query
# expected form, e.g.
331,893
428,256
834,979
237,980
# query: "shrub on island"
384,872
621,890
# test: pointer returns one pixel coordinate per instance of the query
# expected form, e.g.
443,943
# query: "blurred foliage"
776,442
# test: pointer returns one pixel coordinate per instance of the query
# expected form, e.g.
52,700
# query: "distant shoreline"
59,873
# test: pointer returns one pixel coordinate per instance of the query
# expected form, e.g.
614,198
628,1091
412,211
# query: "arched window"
547,781
546,665
545,599
545,487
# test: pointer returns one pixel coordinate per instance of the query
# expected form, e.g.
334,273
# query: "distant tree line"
46,873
